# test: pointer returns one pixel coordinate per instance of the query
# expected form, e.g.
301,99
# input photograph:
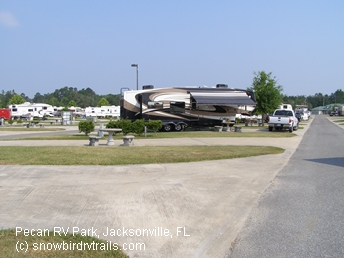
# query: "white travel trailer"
103,111
286,106
186,106
28,110
76,111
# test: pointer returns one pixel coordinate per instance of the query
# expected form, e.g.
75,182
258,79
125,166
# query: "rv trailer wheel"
178,127
167,128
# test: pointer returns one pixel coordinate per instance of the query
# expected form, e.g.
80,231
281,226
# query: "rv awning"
222,98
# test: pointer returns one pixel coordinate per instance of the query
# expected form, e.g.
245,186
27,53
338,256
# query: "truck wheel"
290,129
270,128
167,128
296,127
178,128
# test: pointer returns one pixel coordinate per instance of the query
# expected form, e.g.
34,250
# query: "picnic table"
229,125
111,131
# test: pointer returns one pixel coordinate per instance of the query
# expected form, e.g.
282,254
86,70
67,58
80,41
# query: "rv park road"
192,209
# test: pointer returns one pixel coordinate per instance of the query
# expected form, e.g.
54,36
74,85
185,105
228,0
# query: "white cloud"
8,20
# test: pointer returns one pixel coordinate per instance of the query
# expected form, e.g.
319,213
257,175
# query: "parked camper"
340,110
303,108
286,106
28,109
188,106
77,111
5,113
103,111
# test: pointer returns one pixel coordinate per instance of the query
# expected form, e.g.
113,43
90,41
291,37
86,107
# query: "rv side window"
14,109
155,104
45,108
30,110
177,107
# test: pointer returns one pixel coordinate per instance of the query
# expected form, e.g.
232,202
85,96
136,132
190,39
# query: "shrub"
113,124
19,121
86,126
110,117
126,126
154,125
138,126
10,122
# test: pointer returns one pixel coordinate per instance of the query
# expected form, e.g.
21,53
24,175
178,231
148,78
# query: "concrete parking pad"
169,210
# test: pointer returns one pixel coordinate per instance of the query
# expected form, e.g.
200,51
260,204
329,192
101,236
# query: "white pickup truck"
283,119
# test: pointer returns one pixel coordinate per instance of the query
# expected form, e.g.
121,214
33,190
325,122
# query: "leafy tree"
318,99
53,101
113,99
8,95
337,96
38,98
26,98
72,103
16,99
103,102
86,126
87,92
268,93
64,101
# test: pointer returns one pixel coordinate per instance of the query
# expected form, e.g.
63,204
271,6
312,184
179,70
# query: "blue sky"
47,45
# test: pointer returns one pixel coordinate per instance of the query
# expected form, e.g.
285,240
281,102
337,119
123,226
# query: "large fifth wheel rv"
28,110
186,106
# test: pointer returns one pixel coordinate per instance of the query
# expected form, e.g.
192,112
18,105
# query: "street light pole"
137,75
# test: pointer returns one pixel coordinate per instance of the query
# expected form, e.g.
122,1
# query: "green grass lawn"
60,155
160,135
73,155
31,129
49,245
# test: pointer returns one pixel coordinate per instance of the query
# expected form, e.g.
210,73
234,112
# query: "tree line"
65,97
69,96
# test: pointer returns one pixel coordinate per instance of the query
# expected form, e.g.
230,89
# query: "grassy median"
50,245
59,155
161,135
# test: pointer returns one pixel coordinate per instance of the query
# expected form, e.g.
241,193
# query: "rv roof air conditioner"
147,87
221,86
